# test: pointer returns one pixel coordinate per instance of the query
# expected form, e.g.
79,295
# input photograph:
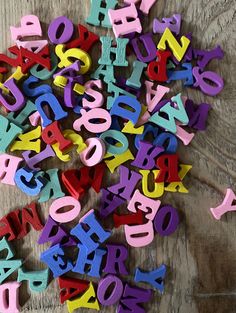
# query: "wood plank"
201,255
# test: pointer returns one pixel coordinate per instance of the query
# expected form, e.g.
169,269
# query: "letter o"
61,21
68,216
160,219
97,156
116,293
119,137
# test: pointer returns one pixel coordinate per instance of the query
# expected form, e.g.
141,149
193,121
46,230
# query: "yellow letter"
76,139
158,187
178,186
84,301
130,129
177,50
113,161
74,53
25,141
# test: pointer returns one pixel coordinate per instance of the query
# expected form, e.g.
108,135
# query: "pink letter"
226,206
31,45
30,26
8,167
140,202
183,135
119,20
145,5
91,160
95,95
153,97
93,114
139,235
9,297
68,216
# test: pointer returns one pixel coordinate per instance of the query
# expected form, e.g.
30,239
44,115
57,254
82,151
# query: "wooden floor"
201,255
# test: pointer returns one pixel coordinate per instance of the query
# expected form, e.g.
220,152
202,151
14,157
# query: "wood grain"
201,255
